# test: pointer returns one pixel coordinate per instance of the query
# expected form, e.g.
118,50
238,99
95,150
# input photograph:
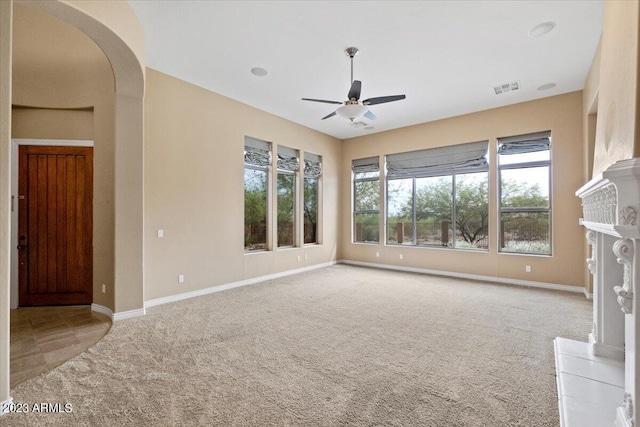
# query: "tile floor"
45,337
590,388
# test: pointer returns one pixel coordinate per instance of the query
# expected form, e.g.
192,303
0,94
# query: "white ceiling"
446,56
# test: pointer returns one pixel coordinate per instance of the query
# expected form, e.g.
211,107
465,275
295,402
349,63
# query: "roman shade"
288,159
370,164
527,143
256,152
453,159
312,165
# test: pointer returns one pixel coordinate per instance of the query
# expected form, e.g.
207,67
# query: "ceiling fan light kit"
351,111
353,108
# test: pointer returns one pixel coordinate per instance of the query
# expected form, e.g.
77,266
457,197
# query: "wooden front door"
55,225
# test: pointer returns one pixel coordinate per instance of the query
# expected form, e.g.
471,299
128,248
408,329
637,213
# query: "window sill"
526,254
258,251
446,248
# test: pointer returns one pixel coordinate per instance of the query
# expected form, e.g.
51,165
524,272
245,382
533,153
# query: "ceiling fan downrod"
351,52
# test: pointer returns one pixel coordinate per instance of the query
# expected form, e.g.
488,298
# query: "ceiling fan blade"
383,99
369,115
354,92
329,115
321,100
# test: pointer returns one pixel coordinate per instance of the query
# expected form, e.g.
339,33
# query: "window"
439,197
257,158
312,173
366,200
524,173
288,166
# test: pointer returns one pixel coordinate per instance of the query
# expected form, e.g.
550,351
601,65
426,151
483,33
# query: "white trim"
128,314
4,404
15,142
55,142
604,350
102,309
504,280
561,408
219,288
587,295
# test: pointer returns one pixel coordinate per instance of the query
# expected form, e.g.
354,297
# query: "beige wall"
57,66
193,181
618,87
6,19
589,111
563,116
589,120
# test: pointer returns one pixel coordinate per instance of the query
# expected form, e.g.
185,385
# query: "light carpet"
342,345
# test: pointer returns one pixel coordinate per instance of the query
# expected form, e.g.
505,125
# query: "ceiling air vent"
507,87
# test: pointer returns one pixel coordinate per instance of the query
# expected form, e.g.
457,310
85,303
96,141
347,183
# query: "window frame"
356,211
267,170
525,165
414,187
294,219
312,158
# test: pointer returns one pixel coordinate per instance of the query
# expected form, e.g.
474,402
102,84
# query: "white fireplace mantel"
597,380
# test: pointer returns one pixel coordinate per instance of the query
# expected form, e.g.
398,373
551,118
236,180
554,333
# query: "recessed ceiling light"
260,72
542,29
547,86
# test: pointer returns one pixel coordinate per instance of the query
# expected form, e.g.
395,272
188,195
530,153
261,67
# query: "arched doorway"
115,29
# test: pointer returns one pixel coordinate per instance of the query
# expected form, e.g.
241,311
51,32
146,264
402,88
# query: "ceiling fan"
353,108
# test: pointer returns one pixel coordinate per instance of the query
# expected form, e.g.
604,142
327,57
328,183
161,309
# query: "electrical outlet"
160,233
298,258
104,288
377,254
181,278
527,269
401,257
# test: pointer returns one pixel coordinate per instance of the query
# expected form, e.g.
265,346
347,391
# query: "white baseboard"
4,406
117,316
128,314
587,295
102,309
218,288
507,281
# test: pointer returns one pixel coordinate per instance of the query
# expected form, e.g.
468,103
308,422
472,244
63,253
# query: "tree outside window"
450,211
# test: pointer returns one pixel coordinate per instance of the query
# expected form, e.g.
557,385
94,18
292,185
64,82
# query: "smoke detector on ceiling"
507,87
